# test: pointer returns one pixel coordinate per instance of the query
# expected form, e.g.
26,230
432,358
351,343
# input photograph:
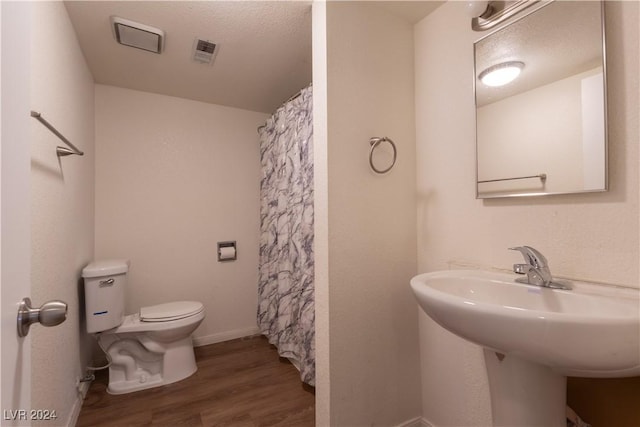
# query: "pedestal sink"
535,337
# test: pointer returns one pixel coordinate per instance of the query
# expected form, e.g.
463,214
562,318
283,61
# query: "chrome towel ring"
375,141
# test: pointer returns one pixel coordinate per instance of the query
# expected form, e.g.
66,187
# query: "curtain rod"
291,98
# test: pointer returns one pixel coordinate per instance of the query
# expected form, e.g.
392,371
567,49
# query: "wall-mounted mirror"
545,131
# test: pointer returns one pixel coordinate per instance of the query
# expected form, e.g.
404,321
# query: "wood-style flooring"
239,383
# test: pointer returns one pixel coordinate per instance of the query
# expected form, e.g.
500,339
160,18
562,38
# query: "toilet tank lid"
170,311
107,267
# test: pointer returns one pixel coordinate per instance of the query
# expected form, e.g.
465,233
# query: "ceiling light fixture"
501,74
478,8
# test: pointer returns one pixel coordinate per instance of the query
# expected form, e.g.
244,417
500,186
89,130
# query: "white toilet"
147,349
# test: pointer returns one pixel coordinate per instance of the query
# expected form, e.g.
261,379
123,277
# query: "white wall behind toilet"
174,177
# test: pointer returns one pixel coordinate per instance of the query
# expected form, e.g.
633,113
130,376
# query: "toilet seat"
170,311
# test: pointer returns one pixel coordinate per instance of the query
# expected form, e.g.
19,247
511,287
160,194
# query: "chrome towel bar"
542,176
60,151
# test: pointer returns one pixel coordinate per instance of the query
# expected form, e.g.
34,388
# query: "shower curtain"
286,314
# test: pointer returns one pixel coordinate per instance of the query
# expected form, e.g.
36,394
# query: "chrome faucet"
536,269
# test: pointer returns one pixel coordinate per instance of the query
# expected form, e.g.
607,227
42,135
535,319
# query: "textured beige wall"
174,177
62,194
371,218
592,236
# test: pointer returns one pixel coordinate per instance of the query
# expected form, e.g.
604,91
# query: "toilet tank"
104,283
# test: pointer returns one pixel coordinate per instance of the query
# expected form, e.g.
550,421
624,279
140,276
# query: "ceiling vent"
204,51
137,35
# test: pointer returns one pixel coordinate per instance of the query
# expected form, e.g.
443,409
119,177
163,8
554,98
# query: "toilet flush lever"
51,313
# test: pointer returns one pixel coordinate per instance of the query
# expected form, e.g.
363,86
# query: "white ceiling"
264,54
411,11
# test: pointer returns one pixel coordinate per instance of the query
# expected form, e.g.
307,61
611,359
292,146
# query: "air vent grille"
204,51
137,35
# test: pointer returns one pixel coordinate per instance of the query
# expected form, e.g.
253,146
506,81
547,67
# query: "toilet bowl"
146,349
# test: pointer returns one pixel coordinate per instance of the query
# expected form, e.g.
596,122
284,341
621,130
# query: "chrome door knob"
51,313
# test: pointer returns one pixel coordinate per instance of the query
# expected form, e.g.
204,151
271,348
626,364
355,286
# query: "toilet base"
124,386
140,364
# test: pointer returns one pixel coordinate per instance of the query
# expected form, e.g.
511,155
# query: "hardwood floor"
239,383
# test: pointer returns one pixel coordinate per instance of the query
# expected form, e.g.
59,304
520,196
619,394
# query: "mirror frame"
515,193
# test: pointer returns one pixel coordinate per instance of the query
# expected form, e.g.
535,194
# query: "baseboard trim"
416,422
225,336
83,388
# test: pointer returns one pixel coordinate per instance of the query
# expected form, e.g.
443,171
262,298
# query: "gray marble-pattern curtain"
286,313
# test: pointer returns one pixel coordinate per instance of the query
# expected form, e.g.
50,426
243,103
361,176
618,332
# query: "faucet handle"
532,256
536,269
521,268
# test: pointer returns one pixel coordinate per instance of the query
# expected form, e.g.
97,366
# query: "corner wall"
173,178
321,214
62,199
593,237
372,320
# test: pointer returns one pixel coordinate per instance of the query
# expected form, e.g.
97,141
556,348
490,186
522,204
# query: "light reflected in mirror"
545,131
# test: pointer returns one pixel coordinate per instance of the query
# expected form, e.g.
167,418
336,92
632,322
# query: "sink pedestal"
525,394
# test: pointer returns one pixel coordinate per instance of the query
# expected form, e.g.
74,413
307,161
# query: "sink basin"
590,331
534,337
